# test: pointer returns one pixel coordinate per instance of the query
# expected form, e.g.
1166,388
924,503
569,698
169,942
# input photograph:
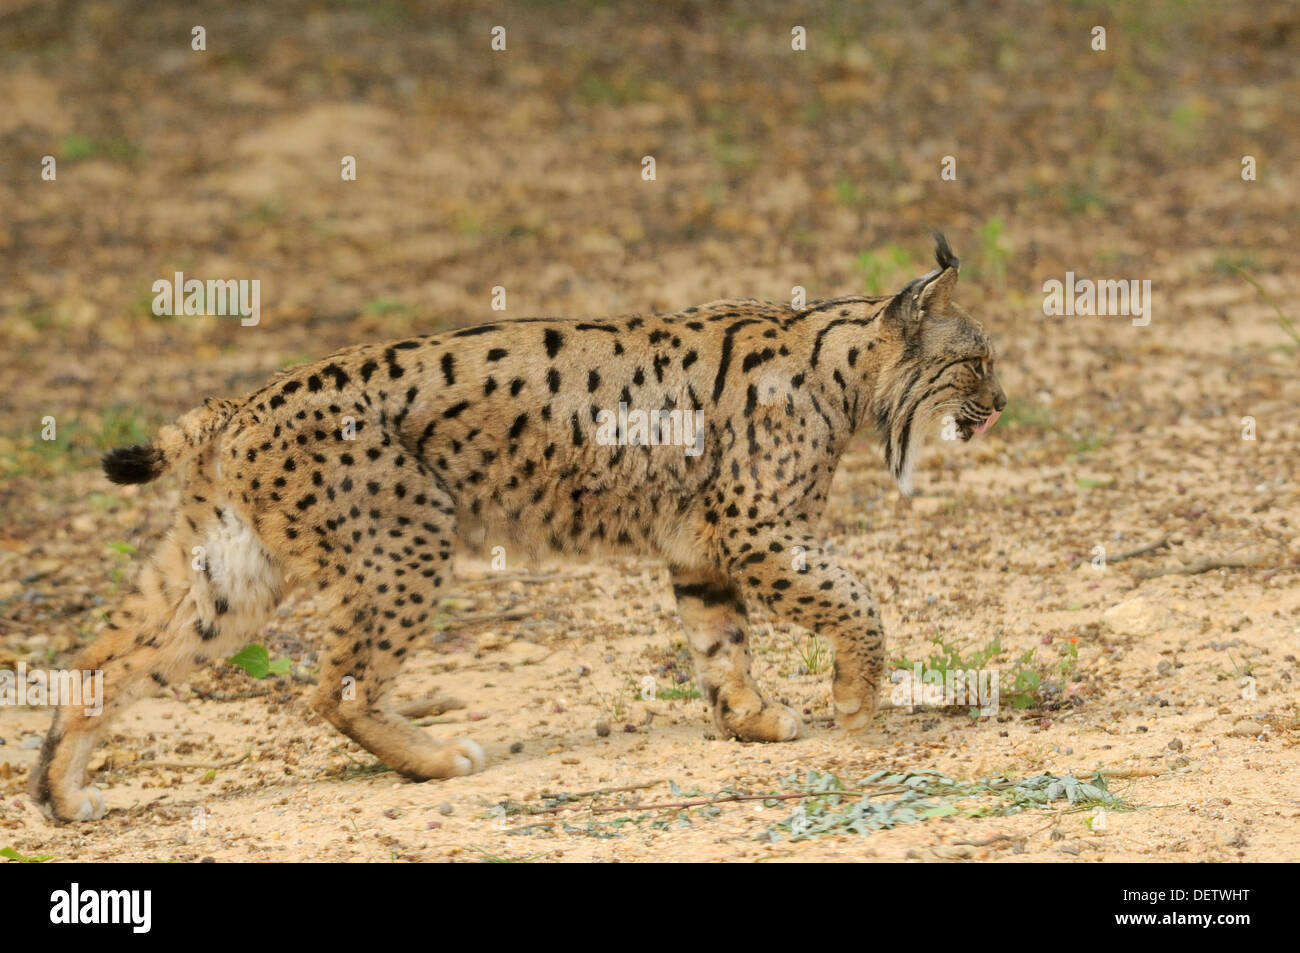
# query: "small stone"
445,808
517,747
1175,745
602,729
1136,617
30,742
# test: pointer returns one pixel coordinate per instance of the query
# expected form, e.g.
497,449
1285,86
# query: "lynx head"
943,378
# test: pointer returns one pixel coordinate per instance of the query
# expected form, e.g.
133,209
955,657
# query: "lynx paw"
83,804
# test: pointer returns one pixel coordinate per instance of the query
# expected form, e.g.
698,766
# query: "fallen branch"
1130,773
1204,565
177,766
30,627
641,785
473,621
1005,837
421,707
581,794
988,840
525,577
1161,543
230,696
677,805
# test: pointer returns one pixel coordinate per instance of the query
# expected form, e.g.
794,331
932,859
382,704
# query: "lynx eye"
979,365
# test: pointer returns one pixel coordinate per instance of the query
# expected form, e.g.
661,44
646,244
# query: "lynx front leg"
718,634
785,567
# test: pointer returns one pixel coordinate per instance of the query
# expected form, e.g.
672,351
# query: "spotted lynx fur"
356,475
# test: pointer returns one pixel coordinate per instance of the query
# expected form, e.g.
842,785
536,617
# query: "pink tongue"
992,419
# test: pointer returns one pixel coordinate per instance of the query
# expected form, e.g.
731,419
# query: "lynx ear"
925,295
937,290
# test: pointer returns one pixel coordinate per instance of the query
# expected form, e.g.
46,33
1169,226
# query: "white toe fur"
473,753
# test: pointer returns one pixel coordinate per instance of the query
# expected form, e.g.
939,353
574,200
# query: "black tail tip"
943,251
138,464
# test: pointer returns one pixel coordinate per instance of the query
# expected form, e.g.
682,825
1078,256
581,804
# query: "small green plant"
11,854
610,91
1187,118
1080,198
949,657
831,808
614,704
1067,664
77,148
117,572
384,306
264,214
121,425
1283,319
1024,413
848,192
1239,669
1025,682
814,656
991,256
256,661
1229,263
1088,442
878,267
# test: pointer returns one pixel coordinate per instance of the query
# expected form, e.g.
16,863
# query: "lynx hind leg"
383,601
717,631
186,610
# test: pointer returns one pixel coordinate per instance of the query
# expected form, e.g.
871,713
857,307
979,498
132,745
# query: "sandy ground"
525,172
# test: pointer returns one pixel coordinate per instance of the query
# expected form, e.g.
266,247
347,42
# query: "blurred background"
522,168
774,168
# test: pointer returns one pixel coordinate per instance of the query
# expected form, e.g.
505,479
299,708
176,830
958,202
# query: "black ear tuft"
943,252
